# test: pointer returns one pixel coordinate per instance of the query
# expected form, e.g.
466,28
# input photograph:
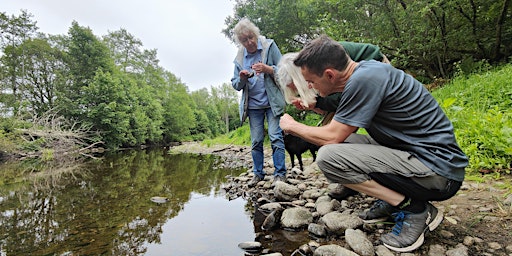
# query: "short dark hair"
322,53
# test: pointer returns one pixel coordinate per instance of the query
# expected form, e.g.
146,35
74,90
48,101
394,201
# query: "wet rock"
333,249
251,247
159,199
272,220
296,218
270,207
358,241
336,223
317,230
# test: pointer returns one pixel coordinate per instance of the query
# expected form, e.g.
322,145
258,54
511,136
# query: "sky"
185,33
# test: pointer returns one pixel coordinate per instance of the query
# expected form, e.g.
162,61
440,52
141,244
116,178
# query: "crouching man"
410,157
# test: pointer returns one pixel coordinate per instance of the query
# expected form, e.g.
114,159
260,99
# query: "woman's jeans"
257,126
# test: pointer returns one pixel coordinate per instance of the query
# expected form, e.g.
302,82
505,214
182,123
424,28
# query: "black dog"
295,146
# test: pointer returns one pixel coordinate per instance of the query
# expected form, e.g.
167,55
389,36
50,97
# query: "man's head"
320,61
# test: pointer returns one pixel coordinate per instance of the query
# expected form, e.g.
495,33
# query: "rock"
272,220
333,250
446,234
270,207
324,207
459,250
436,250
382,250
159,199
251,247
494,246
317,230
508,200
509,248
296,218
358,241
336,222
285,192
468,241
312,193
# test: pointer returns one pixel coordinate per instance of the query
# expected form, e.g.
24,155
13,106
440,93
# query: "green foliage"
10,142
480,109
424,37
240,136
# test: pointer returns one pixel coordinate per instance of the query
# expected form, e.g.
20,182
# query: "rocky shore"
477,221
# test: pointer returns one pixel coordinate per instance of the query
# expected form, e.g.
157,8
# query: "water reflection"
107,210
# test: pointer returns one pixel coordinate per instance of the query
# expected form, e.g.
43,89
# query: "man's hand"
286,123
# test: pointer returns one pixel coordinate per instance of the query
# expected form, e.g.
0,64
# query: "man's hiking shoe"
380,211
410,228
341,192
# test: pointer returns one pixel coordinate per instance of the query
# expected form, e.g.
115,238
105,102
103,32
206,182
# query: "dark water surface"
106,210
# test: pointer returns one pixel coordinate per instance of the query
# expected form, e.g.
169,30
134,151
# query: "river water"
105,209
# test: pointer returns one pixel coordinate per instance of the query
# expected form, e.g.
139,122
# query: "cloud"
186,34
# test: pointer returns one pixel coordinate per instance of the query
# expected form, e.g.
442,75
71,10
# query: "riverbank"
478,220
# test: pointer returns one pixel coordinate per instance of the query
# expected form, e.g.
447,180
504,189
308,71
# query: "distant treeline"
116,88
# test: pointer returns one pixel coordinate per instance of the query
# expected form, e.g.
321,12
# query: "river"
105,209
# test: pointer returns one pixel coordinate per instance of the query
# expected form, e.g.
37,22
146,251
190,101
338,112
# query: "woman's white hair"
245,26
288,73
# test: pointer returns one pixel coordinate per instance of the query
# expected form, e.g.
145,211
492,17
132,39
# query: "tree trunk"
499,25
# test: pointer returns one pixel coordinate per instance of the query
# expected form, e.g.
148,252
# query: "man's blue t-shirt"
398,112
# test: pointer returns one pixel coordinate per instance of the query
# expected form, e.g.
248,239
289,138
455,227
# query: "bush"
479,106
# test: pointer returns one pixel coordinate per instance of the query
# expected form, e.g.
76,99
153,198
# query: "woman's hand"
297,102
262,68
245,74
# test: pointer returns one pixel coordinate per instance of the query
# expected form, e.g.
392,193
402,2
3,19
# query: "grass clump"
479,107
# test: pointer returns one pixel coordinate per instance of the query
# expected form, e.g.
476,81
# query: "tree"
15,30
271,15
178,107
426,38
226,100
43,66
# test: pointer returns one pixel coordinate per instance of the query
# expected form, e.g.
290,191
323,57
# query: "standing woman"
255,66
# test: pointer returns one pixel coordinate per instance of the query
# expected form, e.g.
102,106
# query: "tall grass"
480,108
